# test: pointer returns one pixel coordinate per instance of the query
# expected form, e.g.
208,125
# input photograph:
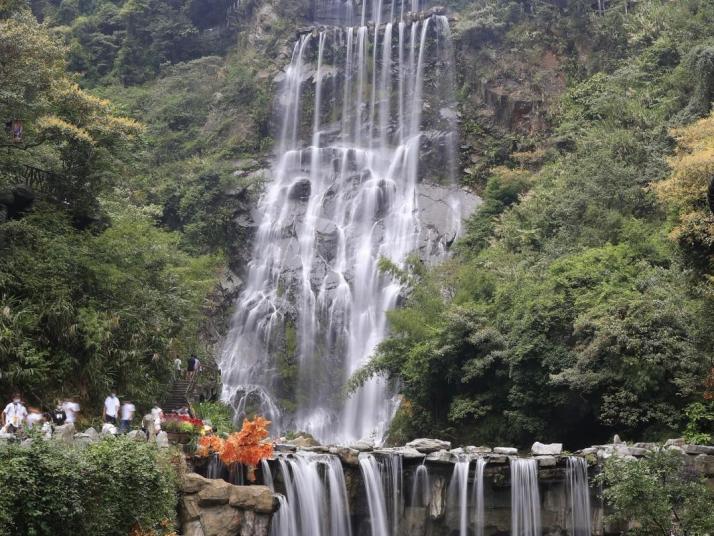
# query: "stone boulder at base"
162,440
136,435
216,508
64,433
426,445
255,498
541,449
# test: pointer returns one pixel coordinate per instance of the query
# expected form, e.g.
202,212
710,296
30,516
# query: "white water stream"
344,195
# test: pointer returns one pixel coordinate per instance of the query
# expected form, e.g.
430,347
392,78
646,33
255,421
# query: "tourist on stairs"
177,368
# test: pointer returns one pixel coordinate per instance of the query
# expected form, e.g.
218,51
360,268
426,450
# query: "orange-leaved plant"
249,446
208,445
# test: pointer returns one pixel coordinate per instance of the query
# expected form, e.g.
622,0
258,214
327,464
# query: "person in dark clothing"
193,366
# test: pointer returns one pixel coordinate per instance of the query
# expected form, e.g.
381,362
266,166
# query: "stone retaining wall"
217,508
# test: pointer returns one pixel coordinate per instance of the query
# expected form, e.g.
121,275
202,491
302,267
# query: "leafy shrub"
106,488
219,414
660,494
700,425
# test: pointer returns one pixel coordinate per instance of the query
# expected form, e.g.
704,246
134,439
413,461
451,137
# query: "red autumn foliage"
248,447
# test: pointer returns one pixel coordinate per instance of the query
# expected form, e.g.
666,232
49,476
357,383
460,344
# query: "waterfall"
479,498
215,467
344,194
375,495
281,522
457,494
384,483
525,498
316,502
338,506
267,474
236,474
578,495
421,487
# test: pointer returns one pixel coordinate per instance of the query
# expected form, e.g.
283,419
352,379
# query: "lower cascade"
314,497
479,498
525,498
315,500
457,497
578,496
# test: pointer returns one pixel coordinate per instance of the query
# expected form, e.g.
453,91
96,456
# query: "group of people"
193,367
17,417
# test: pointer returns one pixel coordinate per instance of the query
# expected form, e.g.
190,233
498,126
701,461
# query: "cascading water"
316,502
525,498
376,501
384,484
344,195
215,467
578,496
479,498
267,474
280,524
421,487
457,495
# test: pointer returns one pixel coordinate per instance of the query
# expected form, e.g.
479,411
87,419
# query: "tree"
248,446
659,494
69,133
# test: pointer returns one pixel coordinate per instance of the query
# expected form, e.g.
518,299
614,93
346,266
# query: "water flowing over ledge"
427,488
349,188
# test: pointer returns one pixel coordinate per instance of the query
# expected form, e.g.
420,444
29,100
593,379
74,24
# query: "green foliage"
659,493
220,415
131,40
700,425
83,311
106,488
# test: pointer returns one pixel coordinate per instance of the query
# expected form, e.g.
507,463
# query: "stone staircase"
178,396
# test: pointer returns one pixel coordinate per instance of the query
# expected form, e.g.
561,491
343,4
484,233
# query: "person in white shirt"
158,415
177,368
34,417
127,414
14,415
71,408
111,408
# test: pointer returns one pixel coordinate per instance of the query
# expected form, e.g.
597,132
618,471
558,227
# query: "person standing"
111,408
70,408
14,415
177,368
191,368
35,417
158,415
127,415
